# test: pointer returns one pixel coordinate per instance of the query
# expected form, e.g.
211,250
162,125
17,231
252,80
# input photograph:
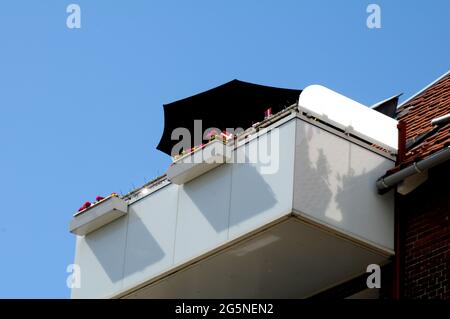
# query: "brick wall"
426,237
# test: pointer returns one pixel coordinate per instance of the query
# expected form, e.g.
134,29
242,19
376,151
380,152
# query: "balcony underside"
288,259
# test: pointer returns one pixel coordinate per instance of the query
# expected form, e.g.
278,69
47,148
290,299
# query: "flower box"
199,161
98,215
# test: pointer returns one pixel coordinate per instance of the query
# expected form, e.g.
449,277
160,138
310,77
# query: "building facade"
287,207
424,201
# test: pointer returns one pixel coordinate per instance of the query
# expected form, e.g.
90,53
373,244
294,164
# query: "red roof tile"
418,112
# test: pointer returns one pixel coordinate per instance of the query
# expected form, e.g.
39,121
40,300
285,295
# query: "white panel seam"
229,202
125,249
176,225
294,163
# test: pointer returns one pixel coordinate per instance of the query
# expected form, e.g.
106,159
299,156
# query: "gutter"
385,183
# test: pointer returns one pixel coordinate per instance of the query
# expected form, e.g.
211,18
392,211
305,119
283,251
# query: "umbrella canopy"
235,104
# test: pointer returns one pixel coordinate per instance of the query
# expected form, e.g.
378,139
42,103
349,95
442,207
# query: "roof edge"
424,89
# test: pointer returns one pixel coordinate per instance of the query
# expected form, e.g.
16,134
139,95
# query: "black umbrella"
235,104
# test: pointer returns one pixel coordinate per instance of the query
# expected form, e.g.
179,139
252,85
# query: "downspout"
396,289
398,243
401,126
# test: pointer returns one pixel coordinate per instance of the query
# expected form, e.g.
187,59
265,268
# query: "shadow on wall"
248,190
108,246
337,178
311,180
142,248
358,192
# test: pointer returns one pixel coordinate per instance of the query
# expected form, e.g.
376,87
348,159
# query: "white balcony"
299,220
98,215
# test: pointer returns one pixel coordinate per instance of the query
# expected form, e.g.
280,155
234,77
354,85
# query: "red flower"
99,198
268,113
211,133
86,205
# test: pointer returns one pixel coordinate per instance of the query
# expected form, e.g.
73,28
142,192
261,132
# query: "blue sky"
81,109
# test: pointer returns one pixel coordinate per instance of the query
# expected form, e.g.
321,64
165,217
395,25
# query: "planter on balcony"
200,161
98,215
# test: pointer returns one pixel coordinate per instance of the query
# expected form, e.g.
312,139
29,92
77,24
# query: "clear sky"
81,109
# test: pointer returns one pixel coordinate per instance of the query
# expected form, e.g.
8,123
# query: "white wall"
151,235
335,185
100,256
